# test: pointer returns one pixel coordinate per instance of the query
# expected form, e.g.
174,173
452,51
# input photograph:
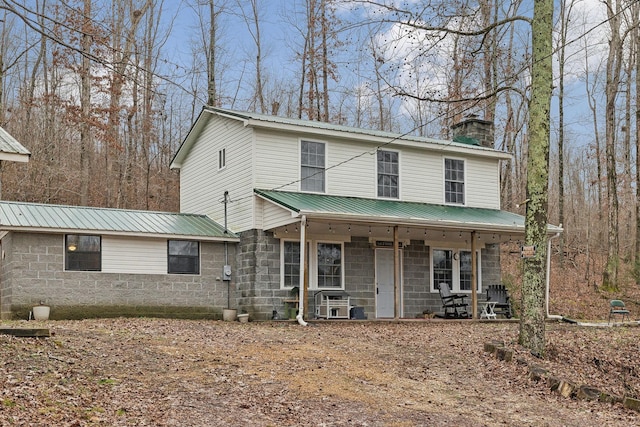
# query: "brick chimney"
476,129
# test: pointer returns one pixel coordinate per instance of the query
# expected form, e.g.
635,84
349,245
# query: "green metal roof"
397,212
11,147
58,218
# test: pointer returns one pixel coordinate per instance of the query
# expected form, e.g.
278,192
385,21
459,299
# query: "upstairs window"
222,158
184,257
388,174
83,253
312,166
454,181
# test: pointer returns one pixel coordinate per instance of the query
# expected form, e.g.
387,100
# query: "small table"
487,309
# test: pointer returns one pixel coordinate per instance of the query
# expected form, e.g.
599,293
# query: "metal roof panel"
34,216
399,212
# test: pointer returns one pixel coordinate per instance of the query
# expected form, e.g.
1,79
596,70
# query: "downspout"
550,316
303,245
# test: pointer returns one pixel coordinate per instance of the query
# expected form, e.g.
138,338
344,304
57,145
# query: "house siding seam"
35,272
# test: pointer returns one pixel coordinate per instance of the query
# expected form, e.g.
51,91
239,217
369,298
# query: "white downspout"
303,245
550,316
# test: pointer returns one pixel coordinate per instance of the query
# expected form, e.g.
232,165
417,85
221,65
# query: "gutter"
303,244
550,316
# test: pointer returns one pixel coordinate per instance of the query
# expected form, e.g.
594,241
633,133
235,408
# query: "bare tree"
614,66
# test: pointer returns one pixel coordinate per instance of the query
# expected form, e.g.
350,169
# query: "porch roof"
11,149
356,209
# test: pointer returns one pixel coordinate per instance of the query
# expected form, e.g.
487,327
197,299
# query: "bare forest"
102,93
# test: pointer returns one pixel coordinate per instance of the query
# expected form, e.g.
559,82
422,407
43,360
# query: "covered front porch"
386,258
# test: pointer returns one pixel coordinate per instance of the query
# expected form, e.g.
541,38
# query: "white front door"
385,296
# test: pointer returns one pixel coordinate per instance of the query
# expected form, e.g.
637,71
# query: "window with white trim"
454,181
290,263
312,166
222,158
388,174
326,264
453,266
329,265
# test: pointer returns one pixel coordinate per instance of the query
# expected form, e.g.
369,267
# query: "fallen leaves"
178,372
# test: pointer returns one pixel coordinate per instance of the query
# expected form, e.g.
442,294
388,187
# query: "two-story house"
321,207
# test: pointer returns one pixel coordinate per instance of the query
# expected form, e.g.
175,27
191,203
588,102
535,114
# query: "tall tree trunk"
565,12
532,328
614,64
85,103
211,56
635,11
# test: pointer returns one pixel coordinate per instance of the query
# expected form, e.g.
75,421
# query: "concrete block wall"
417,281
258,279
359,272
35,272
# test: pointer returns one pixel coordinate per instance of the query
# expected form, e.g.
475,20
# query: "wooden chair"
617,307
454,305
500,295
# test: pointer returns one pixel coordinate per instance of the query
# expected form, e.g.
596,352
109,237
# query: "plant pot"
229,314
41,312
243,318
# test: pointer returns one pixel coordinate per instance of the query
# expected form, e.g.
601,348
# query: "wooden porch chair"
500,295
617,307
454,305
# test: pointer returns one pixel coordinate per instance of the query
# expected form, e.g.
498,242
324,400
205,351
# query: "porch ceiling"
411,214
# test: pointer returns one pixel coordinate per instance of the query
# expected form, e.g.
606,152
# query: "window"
388,173
454,181
222,158
312,165
454,267
83,253
329,265
184,257
290,264
442,267
465,271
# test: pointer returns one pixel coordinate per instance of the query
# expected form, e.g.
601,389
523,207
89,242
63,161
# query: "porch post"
396,273
474,276
302,290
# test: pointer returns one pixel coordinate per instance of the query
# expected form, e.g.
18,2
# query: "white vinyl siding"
279,164
274,216
421,177
202,186
270,159
483,183
135,256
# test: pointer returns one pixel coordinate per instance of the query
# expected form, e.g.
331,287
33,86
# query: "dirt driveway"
155,372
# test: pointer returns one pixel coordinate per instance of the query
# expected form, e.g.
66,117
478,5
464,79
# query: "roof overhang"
404,214
49,230
14,157
328,130
61,219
